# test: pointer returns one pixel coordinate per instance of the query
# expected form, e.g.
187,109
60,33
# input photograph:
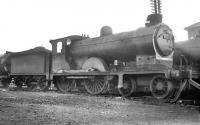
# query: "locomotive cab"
60,53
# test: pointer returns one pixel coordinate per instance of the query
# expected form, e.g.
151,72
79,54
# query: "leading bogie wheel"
160,87
129,86
95,86
65,85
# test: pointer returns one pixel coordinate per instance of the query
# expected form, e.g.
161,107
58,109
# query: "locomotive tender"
31,67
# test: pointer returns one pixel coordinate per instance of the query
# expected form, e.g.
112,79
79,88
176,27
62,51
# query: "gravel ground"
51,108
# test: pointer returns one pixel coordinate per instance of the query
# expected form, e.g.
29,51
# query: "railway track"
145,98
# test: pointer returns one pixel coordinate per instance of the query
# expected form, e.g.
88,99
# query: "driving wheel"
95,86
65,85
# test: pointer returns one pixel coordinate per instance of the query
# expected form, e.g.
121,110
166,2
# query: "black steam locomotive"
187,57
136,61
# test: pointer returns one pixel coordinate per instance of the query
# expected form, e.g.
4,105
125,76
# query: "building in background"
193,30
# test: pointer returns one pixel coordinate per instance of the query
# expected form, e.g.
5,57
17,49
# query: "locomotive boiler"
155,40
190,49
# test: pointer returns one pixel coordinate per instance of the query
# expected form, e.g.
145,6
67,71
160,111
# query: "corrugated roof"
193,26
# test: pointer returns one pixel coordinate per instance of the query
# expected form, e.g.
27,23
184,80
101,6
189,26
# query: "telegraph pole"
156,16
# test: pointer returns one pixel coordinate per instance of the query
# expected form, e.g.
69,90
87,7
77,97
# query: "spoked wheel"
160,87
95,86
129,85
65,85
43,84
106,88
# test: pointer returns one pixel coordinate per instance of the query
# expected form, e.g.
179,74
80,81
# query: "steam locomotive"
135,61
187,56
144,60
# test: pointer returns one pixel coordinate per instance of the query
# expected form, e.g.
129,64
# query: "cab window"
59,47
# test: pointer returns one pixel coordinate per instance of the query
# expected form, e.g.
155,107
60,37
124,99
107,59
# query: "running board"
195,84
79,77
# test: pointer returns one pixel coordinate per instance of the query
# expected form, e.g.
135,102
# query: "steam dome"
105,31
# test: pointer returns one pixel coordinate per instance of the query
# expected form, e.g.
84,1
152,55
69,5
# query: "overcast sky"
25,24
